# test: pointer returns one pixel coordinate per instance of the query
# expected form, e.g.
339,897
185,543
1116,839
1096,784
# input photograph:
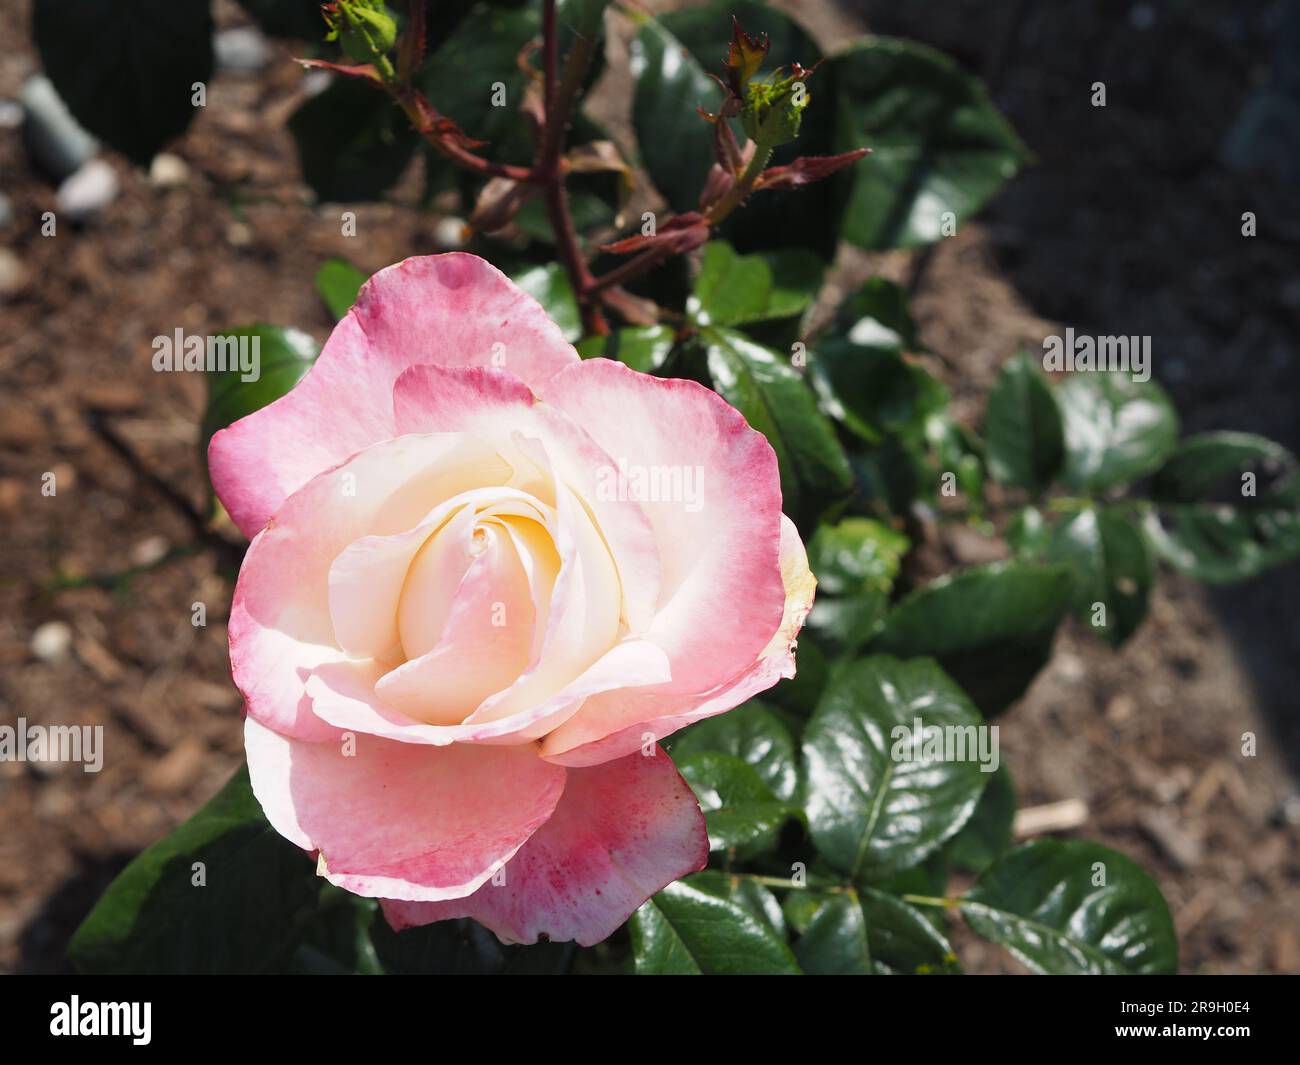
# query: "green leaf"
353,142
285,356
1026,445
756,736
862,376
644,348
798,695
462,948
1117,430
287,18
1028,534
989,831
1112,566
855,563
937,144
154,919
736,289
1228,507
126,71
460,74
772,396
549,286
878,802
746,893
870,932
684,930
338,283
671,61
884,303
834,942
1070,907
676,144
740,810
903,941
990,627
337,941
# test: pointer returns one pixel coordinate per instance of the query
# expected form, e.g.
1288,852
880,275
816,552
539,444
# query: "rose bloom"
469,610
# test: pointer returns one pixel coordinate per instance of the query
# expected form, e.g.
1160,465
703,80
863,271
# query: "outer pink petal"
613,724
622,831
721,594
398,820
444,310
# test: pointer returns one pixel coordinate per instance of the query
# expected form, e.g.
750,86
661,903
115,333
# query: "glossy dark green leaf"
549,286
798,695
1070,906
670,62
747,893
885,303
755,735
938,146
1117,430
644,348
861,373
285,355
683,930
903,941
775,400
287,18
1228,507
336,942
1026,444
338,283
126,71
989,831
155,918
740,809
676,144
462,948
353,141
736,289
879,802
464,71
1112,568
855,563
869,932
990,627
835,942
1028,534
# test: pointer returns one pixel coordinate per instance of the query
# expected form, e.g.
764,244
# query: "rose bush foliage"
463,627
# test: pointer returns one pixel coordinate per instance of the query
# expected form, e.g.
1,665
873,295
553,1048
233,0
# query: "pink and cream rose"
457,645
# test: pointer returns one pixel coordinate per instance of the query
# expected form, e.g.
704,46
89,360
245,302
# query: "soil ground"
1128,223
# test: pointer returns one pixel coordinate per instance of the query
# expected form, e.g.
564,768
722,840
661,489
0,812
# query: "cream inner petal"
474,599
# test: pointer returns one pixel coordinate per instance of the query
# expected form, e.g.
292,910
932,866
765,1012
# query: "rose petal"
492,405
343,693
721,595
613,724
444,310
280,626
621,832
399,820
486,643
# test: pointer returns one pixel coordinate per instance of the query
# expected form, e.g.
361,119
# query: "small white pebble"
50,642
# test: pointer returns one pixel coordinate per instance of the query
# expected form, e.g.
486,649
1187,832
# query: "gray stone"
54,138
87,192
241,51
